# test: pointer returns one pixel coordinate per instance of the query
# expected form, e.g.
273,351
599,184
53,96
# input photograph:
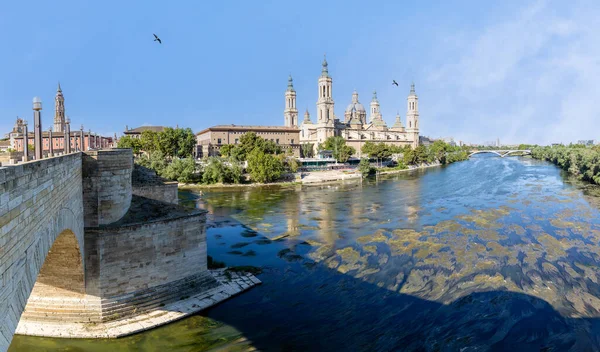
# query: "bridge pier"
78,247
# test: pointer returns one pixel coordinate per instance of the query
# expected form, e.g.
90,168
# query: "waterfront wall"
166,192
38,201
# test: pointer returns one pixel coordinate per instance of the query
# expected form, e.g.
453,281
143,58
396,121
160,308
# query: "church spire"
412,88
324,70
59,90
306,117
290,83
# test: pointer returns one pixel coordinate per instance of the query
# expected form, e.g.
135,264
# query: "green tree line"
578,160
266,161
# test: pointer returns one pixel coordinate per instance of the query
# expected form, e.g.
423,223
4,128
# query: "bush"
365,167
264,167
216,171
182,170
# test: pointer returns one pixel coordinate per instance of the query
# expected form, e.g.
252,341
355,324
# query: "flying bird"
394,83
156,38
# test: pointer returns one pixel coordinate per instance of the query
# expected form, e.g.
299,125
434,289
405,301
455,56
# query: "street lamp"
51,147
67,137
37,127
82,141
25,142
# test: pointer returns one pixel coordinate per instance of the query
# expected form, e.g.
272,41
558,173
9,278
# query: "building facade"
210,140
137,132
53,140
356,128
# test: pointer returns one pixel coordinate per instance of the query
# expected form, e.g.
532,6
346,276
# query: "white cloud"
531,78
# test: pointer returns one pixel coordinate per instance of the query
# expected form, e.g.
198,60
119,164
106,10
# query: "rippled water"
488,254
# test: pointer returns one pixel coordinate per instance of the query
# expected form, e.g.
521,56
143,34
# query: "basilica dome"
355,104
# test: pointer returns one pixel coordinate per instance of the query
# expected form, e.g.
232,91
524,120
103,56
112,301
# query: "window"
236,141
277,141
219,141
292,141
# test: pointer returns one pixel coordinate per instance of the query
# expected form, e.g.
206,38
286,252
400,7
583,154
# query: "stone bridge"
83,246
501,153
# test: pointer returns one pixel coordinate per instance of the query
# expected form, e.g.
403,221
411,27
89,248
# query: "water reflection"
487,254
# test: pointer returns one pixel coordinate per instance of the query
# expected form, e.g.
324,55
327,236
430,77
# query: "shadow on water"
305,306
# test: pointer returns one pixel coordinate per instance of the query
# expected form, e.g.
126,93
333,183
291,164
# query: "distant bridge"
501,153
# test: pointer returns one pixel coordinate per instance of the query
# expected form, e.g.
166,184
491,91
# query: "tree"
226,150
264,167
250,141
421,154
134,144
149,141
410,157
337,145
368,149
365,167
176,142
292,164
186,142
307,150
214,171
182,170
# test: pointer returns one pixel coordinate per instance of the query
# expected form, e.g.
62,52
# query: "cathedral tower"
325,102
59,111
412,117
374,107
290,113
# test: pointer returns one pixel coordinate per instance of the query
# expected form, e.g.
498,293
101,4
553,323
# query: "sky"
520,71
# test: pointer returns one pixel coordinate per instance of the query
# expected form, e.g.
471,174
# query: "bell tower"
412,117
59,111
325,102
290,114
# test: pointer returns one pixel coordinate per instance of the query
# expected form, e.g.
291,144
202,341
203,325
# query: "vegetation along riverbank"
255,161
578,160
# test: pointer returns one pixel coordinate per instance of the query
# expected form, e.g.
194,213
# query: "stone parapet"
39,200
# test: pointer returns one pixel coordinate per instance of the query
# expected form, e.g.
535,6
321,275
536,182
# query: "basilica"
356,128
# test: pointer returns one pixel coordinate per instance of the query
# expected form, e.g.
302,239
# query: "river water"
487,254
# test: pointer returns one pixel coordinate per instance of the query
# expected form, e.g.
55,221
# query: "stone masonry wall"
106,185
38,201
166,192
141,266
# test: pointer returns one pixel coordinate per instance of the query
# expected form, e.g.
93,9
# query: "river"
486,254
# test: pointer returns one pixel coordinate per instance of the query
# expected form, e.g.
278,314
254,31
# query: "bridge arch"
500,153
484,152
525,152
41,213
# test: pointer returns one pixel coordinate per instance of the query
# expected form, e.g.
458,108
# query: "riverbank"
312,178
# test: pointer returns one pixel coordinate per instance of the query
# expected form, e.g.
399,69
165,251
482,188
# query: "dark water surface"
487,254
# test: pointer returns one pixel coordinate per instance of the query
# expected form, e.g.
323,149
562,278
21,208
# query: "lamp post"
82,140
67,138
25,142
51,150
37,127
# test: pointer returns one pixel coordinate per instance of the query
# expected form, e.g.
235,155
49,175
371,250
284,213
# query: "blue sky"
520,71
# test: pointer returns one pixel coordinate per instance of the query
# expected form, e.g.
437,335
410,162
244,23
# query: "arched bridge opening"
62,271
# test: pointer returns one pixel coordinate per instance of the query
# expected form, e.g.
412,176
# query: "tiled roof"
146,128
248,128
